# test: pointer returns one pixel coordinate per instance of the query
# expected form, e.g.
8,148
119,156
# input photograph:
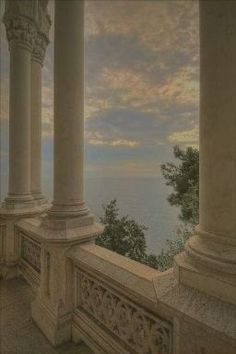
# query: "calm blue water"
143,199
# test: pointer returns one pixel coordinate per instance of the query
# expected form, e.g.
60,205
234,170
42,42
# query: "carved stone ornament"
20,31
39,49
25,20
138,329
30,252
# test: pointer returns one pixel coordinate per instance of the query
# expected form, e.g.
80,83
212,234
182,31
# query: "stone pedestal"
54,304
209,261
9,242
68,222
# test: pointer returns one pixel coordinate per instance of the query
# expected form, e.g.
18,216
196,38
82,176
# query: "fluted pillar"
36,115
21,35
68,110
209,262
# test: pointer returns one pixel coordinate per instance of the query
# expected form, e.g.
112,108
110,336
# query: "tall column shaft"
218,118
217,226
68,109
36,115
209,260
21,36
19,122
36,129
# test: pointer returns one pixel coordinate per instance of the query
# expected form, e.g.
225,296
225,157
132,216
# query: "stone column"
209,262
21,36
68,222
36,119
68,110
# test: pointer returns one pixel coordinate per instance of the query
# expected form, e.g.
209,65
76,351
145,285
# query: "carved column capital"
39,49
43,22
20,31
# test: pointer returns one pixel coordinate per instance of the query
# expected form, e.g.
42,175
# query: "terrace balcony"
61,293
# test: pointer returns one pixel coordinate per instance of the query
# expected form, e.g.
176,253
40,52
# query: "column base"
39,199
68,216
13,201
68,210
208,264
62,231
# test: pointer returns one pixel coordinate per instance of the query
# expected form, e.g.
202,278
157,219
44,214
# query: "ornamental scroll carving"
30,252
39,49
21,31
136,328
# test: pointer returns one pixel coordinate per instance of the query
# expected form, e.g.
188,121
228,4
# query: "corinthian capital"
20,31
19,22
39,49
43,24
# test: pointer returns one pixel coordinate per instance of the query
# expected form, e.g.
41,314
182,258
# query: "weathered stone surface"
18,333
201,323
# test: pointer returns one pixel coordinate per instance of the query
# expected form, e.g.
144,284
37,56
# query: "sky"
141,87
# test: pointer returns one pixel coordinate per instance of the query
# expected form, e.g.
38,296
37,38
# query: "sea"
143,199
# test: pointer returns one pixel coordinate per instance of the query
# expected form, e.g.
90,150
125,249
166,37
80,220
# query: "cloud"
123,169
187,137
141,84
181,88
160,25
97,139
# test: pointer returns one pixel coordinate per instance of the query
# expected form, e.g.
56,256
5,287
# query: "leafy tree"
165,259
121,234
184,178
126,237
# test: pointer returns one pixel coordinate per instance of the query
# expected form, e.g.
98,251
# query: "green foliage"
165,259
126,237
121,234
184,178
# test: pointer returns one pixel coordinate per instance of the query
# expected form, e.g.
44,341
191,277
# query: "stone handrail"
116,308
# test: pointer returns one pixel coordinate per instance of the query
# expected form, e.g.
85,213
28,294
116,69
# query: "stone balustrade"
115,304
122,306
29,258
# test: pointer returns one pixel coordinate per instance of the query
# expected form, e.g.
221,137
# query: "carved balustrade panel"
30,252
138,329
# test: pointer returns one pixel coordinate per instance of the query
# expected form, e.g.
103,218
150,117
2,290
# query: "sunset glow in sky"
142,86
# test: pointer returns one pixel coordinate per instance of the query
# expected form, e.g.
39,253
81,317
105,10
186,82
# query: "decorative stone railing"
29,257
115,304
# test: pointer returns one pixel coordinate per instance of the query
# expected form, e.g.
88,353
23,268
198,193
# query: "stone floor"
18,333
